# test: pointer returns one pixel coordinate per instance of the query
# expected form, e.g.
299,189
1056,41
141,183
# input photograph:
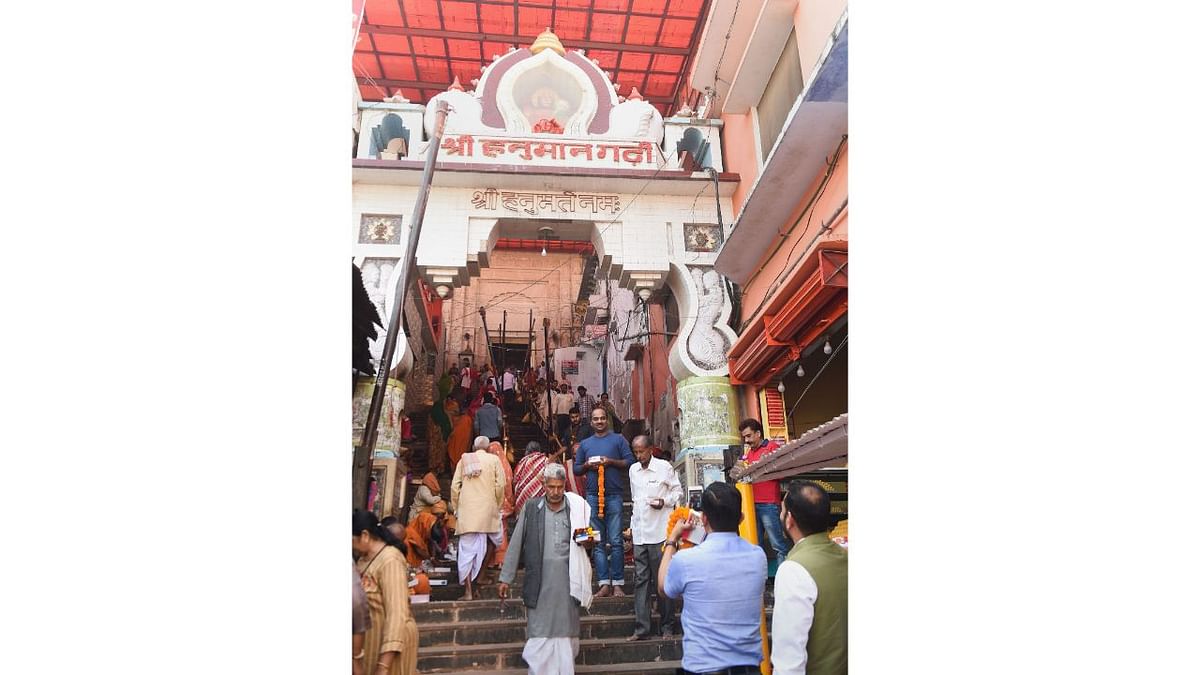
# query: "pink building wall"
814,22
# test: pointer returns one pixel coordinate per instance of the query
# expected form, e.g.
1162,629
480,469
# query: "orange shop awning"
811,299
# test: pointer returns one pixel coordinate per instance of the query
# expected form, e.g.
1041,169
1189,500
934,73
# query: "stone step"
513,630
430,613
592,652
656,668
453,590
499,631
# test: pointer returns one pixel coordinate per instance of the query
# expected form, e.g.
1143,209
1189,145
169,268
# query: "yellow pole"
748,530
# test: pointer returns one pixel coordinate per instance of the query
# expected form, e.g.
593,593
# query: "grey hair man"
655,490
557,573
476,493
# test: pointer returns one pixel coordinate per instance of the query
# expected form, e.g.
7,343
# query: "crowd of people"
557,514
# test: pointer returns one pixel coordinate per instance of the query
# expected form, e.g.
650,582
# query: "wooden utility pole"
503,341
487,337
549,399
529,357
364,451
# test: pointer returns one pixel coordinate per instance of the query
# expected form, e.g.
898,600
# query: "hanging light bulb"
828,347
780,387
543,250
799,370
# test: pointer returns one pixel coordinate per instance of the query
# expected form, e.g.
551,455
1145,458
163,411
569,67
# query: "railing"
536,417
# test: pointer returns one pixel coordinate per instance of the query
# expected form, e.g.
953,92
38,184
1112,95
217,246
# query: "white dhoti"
472,549
551,656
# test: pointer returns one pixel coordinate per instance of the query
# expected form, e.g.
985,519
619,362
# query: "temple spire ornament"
547,40
456,85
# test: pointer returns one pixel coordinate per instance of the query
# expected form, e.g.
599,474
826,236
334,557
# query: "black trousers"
646,561
562,425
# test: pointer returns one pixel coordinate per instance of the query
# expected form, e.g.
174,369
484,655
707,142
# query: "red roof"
420,46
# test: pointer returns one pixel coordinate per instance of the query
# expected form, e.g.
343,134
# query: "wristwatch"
672,543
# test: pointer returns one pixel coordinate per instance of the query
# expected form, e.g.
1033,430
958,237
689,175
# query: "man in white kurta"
476,493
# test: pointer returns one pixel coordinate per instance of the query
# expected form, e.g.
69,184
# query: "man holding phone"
721,582
655,490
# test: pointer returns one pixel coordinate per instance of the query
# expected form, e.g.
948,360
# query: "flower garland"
600,478
681,513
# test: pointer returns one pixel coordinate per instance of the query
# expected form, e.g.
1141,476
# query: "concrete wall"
814,21
785,255
741,154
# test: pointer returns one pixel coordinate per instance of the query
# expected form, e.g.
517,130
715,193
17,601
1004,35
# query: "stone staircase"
485,635
520,433
418,456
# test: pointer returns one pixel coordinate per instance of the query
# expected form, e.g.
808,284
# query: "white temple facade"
544,139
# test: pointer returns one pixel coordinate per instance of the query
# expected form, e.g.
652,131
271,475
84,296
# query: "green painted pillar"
707,426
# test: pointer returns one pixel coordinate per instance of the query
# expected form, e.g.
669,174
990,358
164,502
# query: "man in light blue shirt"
722,582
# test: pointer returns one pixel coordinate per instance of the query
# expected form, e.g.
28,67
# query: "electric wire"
818,374
500,298
810,210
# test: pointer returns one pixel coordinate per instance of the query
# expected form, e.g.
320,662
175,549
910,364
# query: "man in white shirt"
655,490
466,375
809,630
562,404
508,389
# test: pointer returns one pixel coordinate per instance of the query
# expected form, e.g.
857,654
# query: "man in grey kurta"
542,539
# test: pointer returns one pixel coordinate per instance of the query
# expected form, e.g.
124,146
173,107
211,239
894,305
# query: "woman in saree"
506,507
390,647
439,431
462,433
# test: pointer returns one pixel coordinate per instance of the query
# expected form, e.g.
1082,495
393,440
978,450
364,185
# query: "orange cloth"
506,506
416,538
430,481
461,437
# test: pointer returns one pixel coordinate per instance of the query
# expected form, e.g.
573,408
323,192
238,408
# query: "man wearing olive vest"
809,626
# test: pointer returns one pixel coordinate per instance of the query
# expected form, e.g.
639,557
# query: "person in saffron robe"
506,507
391,642
418,537
461,435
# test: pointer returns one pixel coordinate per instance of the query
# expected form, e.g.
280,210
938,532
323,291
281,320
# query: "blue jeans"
609,554
767,516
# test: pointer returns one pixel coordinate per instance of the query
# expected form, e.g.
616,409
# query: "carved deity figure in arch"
376,275
707,346
546,93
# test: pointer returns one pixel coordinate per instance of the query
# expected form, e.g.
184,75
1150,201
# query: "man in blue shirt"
488,419
613,451
721,582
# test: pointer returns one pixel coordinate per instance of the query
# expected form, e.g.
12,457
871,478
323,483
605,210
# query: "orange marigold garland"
681,513
600,478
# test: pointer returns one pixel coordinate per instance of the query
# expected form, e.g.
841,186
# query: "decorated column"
708,404
707,426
